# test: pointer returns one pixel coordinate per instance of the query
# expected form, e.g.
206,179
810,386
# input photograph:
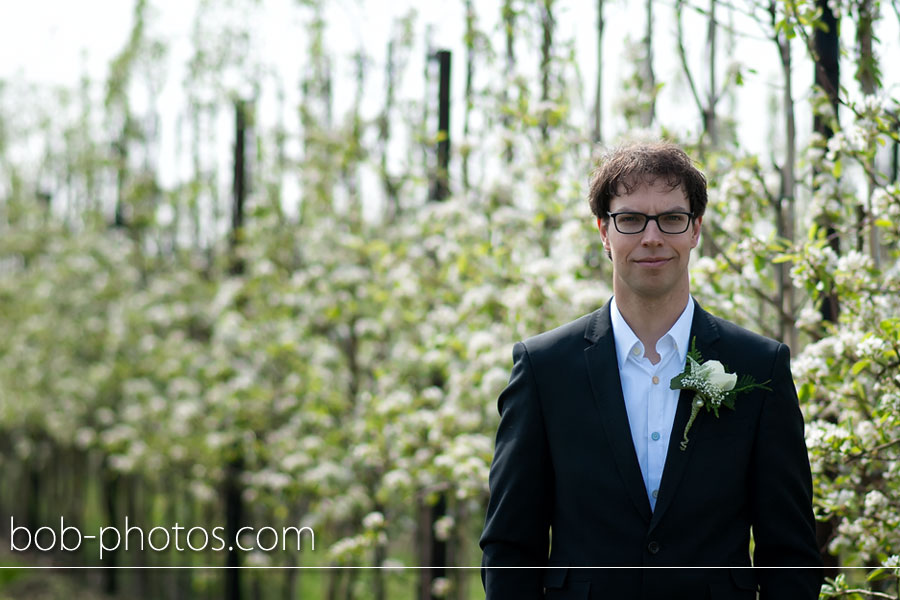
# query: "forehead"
653,197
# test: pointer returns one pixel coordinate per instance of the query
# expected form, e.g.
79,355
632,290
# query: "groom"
588,469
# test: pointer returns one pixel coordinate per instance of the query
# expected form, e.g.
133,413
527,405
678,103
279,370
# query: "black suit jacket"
565,462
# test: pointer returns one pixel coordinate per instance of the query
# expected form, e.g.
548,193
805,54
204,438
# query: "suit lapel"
603,370
704,329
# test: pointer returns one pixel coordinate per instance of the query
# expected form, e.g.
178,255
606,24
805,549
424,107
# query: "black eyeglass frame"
648,218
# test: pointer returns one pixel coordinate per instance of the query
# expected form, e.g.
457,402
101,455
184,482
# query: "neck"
651,318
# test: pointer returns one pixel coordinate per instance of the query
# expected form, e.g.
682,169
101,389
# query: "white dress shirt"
649,401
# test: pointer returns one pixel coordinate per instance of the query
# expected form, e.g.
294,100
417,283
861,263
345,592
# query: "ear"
695,234
604,233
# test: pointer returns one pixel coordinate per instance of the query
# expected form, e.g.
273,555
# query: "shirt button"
653,547
636,351
655,380
655,493
654,436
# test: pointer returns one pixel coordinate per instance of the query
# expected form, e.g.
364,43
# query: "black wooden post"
440,187
442,190
827,77
432,549
234,463
233,520
239,187
120,149
827,66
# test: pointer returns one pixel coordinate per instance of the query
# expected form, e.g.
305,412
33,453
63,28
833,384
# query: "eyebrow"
669,210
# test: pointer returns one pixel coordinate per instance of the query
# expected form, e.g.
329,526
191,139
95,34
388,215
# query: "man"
588,469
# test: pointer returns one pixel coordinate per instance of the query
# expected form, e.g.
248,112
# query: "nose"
652,236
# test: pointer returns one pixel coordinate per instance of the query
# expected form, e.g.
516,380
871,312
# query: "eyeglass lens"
637,222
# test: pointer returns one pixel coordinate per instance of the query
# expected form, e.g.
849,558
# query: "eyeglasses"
635,222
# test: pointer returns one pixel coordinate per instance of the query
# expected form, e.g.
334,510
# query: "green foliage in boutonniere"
713,387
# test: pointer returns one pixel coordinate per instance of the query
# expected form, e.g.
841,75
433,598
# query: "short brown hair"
625,168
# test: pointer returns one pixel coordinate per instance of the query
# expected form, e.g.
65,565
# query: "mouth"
653,262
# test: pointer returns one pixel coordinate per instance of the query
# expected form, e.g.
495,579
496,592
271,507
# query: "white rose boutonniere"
713,387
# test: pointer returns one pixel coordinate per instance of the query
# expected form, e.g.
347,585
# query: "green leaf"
878,574
693,352
806,391
837,169
784,258
885,223
759,263
860,365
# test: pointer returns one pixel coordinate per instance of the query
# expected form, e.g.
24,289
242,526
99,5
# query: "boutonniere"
712,386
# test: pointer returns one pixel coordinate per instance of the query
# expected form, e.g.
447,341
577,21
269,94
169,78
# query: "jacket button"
653,547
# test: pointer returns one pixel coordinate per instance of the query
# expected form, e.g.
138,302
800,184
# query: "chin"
654,292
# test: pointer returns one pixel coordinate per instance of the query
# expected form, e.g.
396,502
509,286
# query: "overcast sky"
56,41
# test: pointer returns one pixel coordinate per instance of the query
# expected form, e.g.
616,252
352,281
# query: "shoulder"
749,340
752,352
565,338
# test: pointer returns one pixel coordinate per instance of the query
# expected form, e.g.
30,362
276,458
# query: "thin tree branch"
737,269
682,54
726,27
874,451
871,593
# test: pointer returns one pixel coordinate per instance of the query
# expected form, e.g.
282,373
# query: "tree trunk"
384,135
111,559
468,102
547,24
649,76
509,27
709,121
867,75
785,216
438,547
598,95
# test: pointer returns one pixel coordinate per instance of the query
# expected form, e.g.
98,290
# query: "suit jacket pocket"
558,586
575,590
555,577
740,586
744,578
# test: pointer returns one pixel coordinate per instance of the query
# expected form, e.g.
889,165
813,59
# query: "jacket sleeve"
521,482
784,528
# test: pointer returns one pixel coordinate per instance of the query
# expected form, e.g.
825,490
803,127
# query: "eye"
630,218
674,218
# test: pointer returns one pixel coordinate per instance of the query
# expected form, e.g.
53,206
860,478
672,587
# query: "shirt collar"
626,340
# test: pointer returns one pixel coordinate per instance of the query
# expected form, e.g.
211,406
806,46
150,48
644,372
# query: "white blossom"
443,527
441,587
373,520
